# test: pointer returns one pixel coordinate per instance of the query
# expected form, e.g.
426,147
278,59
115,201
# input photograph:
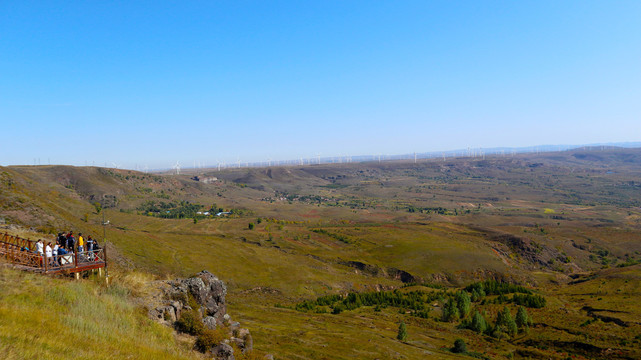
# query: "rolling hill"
565,225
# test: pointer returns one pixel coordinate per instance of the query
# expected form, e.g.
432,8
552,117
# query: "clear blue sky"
150,83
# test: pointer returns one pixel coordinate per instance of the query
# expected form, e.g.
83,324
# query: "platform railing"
19,251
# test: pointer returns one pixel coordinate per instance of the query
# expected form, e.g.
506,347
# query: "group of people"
66,244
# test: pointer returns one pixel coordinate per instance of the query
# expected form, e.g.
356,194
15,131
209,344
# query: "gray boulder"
223,352
163,314
210,322
248,342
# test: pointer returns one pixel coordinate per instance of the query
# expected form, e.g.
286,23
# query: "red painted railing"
18,251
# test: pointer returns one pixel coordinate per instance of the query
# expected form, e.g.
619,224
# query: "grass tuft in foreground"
48,318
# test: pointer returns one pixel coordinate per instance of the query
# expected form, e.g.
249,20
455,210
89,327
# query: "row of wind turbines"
473,153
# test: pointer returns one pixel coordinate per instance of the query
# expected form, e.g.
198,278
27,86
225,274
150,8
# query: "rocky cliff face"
197,305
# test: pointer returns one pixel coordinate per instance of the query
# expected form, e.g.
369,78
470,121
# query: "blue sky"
152,83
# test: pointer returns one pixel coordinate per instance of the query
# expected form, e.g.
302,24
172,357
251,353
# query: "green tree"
522,319
402,332
512,329
450,311
251,226
478,323
459,346
463,303
505,321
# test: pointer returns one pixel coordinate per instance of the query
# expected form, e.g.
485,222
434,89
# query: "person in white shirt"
55,254
39,247
48,254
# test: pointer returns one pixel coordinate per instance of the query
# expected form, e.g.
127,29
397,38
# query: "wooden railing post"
75,257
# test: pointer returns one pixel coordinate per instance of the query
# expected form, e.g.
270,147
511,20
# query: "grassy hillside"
47,318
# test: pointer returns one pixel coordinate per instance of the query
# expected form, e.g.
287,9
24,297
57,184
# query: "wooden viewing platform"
14,250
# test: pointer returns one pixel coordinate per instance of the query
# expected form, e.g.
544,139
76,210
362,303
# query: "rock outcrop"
202,295
204,291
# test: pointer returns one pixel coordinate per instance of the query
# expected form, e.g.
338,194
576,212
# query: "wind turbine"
177,167
116,166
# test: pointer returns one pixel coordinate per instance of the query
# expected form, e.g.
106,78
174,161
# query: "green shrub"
459,346
190,323
209,338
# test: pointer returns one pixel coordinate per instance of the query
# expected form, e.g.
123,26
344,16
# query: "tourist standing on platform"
89,243
62,240
40,247
48,254
81,243
90,248
62,251
71,242
55,254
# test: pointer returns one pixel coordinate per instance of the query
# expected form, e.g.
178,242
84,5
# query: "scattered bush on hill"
459,346
190,322
210,338
402,332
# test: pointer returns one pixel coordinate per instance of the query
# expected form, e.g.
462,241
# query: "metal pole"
106,270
